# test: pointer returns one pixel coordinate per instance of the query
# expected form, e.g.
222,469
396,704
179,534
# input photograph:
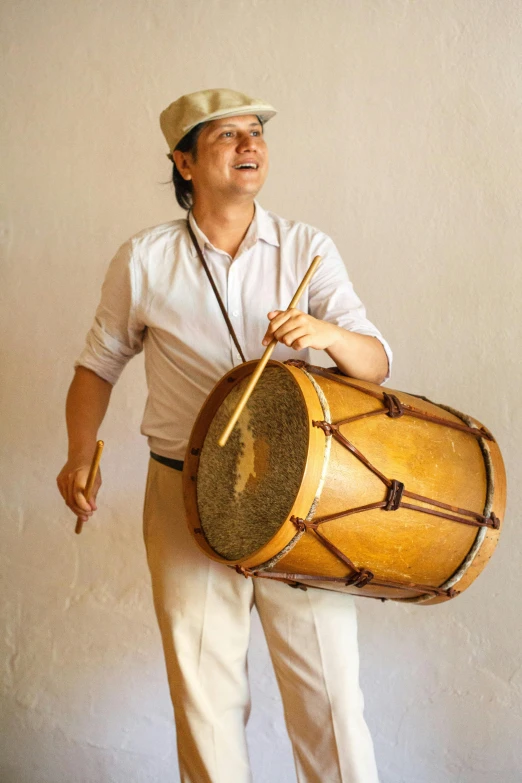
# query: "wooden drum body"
341,484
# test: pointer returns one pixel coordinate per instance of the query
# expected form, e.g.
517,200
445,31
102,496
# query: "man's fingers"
280,317
80,511
277,319
75,497
276,322
291,336
81,501
80,506
71,482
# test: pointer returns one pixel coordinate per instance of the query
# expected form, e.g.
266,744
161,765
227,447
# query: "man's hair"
183,187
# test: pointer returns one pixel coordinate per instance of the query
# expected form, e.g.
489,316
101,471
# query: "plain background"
399,135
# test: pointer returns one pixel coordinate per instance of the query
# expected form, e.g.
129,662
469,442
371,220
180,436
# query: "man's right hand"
71,482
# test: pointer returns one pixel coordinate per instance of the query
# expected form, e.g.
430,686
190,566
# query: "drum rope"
359,579
475,519
362,576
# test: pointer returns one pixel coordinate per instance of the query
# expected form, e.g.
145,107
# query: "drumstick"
264,359
93,470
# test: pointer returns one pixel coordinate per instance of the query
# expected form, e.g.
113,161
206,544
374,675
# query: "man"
157,296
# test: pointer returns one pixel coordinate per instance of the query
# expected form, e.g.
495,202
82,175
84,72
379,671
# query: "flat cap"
190,110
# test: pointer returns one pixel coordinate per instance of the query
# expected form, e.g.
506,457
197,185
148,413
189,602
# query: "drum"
340,484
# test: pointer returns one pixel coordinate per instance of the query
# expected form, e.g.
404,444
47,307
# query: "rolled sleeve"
332,297
117,332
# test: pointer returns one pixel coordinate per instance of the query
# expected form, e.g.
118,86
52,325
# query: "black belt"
176,464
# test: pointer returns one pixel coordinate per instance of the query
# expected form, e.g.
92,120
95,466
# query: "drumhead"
246,489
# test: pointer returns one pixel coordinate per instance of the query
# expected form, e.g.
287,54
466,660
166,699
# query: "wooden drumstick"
93,470
264,359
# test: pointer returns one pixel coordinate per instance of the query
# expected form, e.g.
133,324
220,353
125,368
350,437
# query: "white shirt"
157,297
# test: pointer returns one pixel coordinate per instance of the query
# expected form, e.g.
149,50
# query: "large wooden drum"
344,485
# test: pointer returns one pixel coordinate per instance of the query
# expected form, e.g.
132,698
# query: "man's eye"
227,133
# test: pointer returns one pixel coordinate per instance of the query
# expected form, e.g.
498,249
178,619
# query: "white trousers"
203,610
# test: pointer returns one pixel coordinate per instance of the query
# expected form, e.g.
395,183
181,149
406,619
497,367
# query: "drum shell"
403,546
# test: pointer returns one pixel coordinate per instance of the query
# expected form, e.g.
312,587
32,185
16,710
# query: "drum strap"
216,292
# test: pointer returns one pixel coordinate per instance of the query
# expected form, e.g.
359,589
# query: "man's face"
231,161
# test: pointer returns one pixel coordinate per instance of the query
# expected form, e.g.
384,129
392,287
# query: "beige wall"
399,134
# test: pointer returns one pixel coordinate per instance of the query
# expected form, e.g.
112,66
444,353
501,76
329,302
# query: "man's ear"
182,164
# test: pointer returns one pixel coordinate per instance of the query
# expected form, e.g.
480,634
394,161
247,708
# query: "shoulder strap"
216,292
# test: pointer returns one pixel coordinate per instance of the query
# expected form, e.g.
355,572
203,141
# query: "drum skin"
406,547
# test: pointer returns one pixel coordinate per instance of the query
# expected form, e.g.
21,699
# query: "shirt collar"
266,229
261,227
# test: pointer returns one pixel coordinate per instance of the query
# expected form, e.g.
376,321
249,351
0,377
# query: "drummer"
157,297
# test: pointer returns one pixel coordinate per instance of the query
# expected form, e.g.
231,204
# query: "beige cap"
188,111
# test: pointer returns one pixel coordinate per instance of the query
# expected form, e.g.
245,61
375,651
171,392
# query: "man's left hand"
299,330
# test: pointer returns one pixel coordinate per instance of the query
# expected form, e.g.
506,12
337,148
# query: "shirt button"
235,313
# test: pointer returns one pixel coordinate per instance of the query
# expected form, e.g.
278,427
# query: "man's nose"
247,142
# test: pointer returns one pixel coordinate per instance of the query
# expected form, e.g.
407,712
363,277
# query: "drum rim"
287,535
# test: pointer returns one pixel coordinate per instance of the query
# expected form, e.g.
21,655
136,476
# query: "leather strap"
216,292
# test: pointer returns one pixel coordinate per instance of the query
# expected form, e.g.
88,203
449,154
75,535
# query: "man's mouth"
241,166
